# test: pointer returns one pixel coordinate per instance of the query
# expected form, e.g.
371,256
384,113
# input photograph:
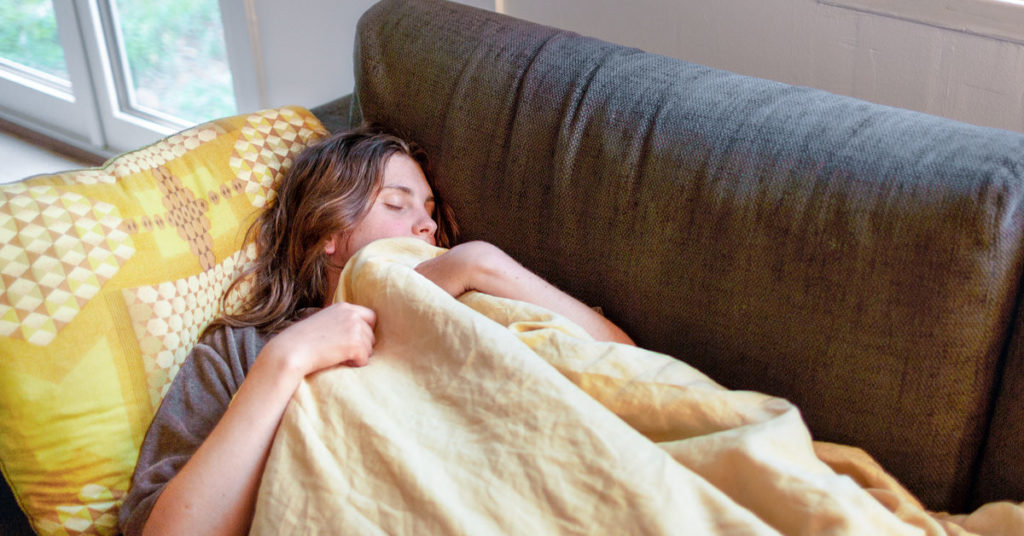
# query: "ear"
331,246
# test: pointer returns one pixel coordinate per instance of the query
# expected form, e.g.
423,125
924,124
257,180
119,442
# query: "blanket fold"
484,415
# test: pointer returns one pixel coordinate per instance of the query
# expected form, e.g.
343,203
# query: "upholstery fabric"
108,276
859,260
1001,472
337,114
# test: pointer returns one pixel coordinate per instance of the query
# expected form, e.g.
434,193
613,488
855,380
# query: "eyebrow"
406,189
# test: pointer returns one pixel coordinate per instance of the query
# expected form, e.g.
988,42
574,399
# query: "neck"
333,276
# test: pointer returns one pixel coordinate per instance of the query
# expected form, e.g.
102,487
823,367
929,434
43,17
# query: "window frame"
96,116
68,117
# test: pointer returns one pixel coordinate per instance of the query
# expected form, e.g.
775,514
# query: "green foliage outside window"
177,59
174,50
28,35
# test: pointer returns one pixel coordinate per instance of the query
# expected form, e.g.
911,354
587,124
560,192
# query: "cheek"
359,237
377,226
389,228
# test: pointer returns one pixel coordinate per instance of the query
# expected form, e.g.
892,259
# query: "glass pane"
177,64
28,36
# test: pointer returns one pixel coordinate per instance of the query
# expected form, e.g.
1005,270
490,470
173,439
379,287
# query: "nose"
425,228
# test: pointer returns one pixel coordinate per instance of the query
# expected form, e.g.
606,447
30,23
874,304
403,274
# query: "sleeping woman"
200,464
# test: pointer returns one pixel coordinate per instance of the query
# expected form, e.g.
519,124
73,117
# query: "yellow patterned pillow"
108,275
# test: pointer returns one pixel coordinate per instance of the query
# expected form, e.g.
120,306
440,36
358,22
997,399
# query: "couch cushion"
861,261
337,115
1001,476
108,276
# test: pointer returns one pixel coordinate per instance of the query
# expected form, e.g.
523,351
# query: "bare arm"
486,268
215,492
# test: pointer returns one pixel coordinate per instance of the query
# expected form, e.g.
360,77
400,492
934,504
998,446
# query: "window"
29,43
113,74
171,59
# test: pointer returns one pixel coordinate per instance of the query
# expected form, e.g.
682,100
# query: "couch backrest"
859,260
1001,474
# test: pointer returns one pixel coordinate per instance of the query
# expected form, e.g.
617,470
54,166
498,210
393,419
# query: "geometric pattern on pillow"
170,148
108,275
261,151
94,513
59,248
168,317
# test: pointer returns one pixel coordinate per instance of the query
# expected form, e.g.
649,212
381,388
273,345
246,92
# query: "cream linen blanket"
490,416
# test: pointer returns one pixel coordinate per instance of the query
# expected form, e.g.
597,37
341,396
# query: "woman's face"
404,207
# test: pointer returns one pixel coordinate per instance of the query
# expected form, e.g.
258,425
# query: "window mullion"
123,130
72,40
242,44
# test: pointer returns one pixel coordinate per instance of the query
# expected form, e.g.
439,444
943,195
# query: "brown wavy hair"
328,190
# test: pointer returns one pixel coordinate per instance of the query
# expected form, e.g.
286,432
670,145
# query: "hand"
339,334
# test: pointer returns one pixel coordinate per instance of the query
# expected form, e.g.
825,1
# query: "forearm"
485,268
508,279
215,492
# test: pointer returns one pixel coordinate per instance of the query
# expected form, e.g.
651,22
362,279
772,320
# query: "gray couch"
862,261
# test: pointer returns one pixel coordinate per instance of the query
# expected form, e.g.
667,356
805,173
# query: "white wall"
306,48
871,57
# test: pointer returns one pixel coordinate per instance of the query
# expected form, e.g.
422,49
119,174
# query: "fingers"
340,334
355,325
365,339
367,314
